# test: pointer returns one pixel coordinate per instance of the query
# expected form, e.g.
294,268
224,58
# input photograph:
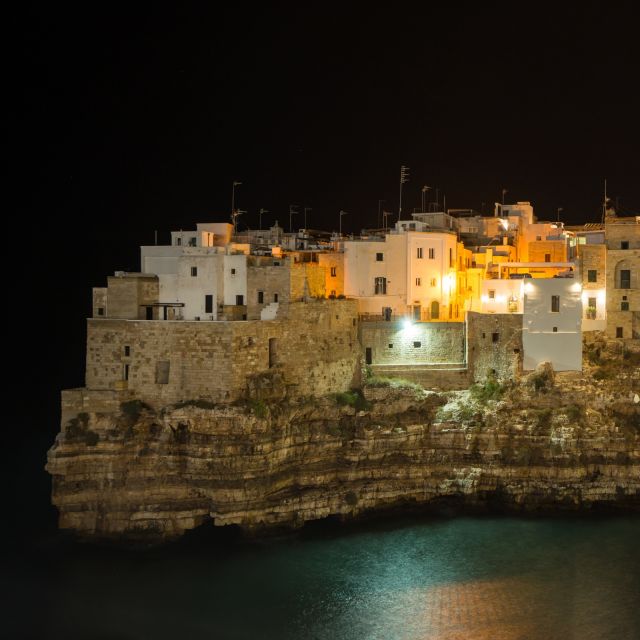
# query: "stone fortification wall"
127,295
420,343
313,351
494,345
274,283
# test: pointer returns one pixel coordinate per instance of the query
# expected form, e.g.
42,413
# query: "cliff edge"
126,470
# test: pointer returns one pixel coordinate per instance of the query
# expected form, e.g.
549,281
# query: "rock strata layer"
126,470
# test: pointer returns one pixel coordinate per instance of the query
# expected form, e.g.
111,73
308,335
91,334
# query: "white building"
552,323
411,270
199,273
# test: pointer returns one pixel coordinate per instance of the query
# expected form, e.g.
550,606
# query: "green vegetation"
393,383
353,398
200,404
259,408
491,389
575,413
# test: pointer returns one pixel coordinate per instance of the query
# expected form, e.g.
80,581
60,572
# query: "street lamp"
504,191
342,213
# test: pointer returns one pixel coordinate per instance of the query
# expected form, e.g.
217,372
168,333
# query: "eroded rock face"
132,471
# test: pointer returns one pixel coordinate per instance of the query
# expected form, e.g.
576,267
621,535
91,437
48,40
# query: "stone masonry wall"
494,345
420,343
316,352
628,320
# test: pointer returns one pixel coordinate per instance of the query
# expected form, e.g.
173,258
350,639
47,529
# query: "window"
624,244
624,306
178,242
208,303
192,242
162,372
125,372
433,282
417,345
625,278
379,257
451,262
333,272
432,253
619,332
239,300
419,252
538,238
555,329
260,297
390,346
100,311
547,257
233,272
194,272
418,282
127,351
275,297
592,275
380,286
333,293
495,337
555,304
492,294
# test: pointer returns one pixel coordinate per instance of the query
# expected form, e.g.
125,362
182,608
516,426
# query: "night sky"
128,121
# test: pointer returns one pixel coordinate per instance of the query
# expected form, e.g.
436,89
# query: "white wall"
504,291
401,267
235,284
561,347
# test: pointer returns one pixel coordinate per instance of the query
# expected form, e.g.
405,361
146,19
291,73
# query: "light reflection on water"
487,578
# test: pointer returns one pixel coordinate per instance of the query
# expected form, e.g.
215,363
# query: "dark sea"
493,578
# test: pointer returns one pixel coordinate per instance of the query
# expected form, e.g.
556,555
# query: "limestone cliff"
124,469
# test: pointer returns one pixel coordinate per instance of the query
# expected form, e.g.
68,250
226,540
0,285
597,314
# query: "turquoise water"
493,578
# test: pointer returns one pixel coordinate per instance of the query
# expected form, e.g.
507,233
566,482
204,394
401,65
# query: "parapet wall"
313,351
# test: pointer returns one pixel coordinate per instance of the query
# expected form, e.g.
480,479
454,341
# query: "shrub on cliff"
353,398
491,389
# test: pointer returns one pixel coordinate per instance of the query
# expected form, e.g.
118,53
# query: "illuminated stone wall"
316,352
397,343
494,345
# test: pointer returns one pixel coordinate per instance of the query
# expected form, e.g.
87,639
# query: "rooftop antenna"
604,202
558,214
260,212
404,177
155,236
235,184
342,213
385,215
292,212
380,202
234,218
424,196
504,192
305,216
